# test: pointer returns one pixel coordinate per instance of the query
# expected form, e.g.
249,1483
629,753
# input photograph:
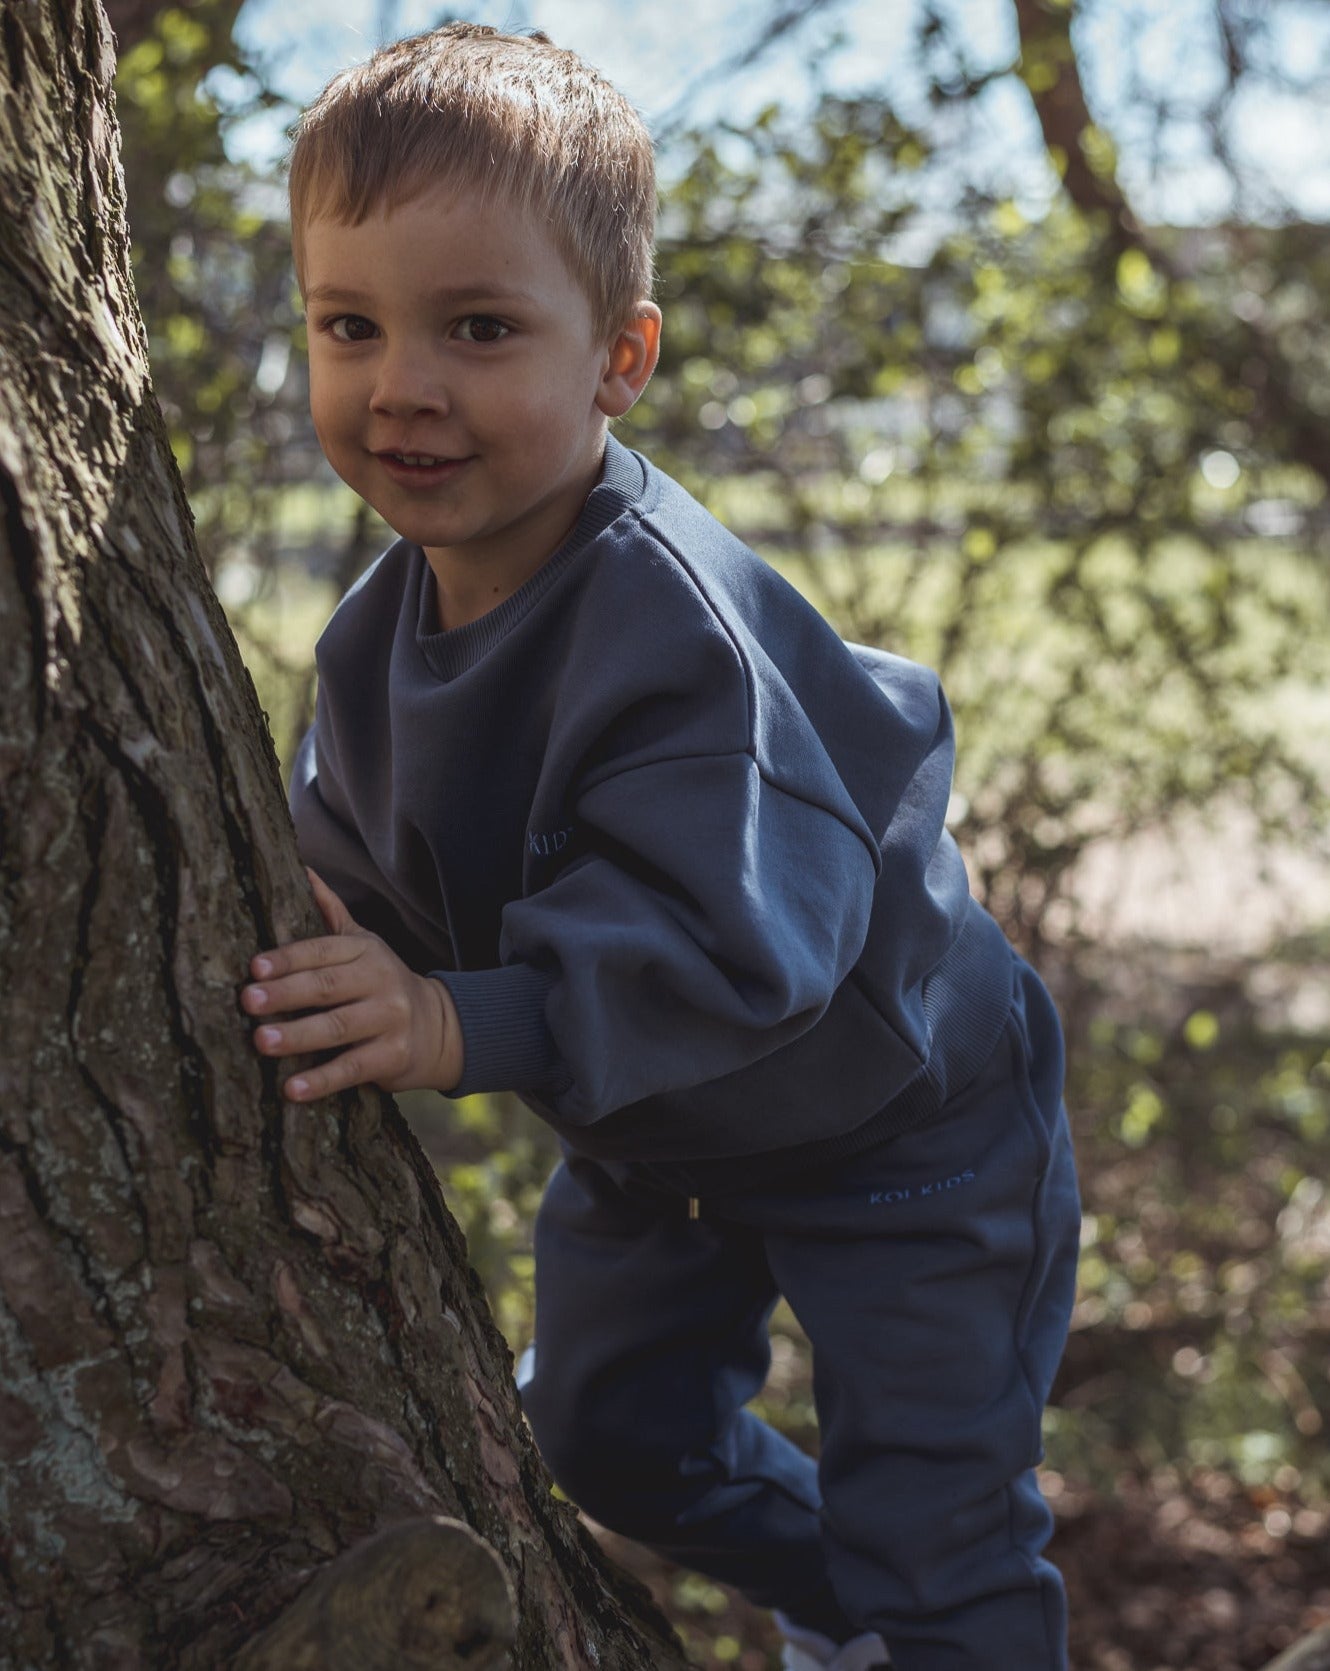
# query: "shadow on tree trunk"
237,1338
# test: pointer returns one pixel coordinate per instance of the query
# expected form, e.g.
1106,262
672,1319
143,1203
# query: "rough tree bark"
236,1338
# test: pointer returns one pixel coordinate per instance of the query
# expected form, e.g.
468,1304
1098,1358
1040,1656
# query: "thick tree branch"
1049,69
424,1595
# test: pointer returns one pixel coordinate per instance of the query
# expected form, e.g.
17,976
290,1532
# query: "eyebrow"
463,293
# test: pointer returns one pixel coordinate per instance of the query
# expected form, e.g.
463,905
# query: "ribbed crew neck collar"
447,654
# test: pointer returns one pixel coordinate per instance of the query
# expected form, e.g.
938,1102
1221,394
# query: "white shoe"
809,1650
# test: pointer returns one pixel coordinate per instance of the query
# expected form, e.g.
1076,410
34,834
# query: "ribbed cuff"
506,1044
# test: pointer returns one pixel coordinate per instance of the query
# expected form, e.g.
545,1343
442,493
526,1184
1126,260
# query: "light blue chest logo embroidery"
548,843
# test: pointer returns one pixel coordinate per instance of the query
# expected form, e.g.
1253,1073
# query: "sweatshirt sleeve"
330,844
710,918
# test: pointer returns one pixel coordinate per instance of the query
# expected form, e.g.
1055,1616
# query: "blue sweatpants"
934,1278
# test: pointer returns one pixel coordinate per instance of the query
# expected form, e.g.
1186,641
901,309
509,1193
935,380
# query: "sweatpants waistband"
966,1009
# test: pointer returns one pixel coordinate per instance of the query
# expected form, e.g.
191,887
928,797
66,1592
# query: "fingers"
379,1048
317,989
348,991
321,1082
374,1054
303,957
338,919
341,925
328,1030
351,1068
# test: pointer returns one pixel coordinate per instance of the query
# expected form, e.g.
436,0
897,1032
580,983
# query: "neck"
471,580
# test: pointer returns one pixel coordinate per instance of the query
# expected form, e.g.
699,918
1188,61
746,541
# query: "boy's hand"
400,1029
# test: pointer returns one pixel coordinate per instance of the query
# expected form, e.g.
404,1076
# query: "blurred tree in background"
1077,462
212,262
1077,467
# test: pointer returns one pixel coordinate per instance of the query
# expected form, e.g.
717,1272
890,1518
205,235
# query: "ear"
630,361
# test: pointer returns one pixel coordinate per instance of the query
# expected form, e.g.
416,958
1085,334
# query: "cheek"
328,406
333,429
553,402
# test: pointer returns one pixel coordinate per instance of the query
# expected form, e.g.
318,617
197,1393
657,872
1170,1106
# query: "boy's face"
457,381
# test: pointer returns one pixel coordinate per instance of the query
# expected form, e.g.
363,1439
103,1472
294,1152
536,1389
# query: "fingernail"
270,1035
258,996
262,966
296,1087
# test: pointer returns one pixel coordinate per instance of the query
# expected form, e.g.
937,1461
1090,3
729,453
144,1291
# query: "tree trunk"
236,1337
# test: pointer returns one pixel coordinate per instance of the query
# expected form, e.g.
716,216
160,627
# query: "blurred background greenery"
999,326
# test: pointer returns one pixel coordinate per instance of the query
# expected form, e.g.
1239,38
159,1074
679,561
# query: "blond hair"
511,115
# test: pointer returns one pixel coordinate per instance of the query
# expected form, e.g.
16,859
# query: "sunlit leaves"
1140,287
212,271
1081,524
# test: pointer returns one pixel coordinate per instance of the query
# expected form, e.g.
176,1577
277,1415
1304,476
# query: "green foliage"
1045,464
1203,1319
212,268
1005,450
1012,449
1202,1323
493,1159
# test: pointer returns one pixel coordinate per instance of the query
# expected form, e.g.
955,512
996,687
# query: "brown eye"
351,327
480,327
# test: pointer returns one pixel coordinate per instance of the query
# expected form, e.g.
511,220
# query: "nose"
407,383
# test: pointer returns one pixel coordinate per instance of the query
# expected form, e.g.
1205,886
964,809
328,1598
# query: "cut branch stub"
424,1595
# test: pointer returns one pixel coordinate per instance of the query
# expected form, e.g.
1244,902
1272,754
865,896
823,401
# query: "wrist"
450,1057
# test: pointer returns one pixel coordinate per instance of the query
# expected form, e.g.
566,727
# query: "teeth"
417,458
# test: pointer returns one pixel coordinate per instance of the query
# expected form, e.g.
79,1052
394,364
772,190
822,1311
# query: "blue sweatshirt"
676,850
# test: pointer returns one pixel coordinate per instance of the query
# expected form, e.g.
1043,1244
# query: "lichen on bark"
236,1337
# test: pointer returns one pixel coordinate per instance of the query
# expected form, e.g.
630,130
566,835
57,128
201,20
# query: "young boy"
604,813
